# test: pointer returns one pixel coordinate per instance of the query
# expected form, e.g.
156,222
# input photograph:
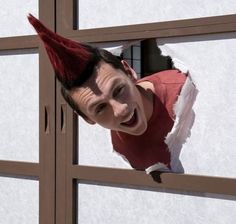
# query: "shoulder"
167,85
167,76
163,78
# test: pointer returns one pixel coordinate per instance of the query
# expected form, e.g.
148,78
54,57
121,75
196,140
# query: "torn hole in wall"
154,59
146,58
142,55
118,47
183,109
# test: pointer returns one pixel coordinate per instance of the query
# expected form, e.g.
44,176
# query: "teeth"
131,115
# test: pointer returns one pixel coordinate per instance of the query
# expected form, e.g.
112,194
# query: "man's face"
110,99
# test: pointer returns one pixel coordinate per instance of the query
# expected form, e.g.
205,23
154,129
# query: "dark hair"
98,55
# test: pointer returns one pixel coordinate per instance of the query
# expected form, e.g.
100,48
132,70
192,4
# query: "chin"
138,131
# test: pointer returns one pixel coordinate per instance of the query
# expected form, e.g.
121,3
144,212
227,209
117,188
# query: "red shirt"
149,148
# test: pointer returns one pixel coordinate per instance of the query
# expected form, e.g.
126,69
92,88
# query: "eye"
99,109
119,90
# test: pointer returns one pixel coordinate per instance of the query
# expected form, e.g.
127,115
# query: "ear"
88,120
130,72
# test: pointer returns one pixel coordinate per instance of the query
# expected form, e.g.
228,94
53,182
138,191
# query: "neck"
146,90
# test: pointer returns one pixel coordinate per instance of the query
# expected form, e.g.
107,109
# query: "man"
103,90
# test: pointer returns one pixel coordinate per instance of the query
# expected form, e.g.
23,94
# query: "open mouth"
132,121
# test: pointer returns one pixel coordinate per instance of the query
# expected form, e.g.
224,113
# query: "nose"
119,109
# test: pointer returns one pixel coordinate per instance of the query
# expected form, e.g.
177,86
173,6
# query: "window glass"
125,205
105,13
19,201
19,110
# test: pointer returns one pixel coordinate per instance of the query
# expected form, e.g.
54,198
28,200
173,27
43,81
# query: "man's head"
111,99
96,84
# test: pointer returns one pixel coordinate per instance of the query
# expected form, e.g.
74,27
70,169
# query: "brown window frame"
74,173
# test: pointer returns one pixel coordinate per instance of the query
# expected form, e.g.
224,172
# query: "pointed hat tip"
38,25
31,18
68,58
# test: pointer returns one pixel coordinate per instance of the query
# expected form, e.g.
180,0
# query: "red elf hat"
68,58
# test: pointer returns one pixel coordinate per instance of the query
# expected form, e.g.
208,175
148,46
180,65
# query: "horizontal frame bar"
204,21
13,168
173,181
186,27
162,33
20,42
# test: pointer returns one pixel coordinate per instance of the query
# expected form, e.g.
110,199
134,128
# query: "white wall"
210,150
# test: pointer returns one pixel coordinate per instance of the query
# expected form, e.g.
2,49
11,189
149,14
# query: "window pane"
19,201
205,144
19,111
137,66
13,14
105,13
99,150
127,54
120,205
136,52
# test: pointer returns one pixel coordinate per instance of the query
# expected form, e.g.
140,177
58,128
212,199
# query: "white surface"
106,13
19,110
102,204
210,59
13,14
19,200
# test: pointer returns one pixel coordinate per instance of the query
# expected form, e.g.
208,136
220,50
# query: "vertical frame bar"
66,144
65,16
66,191
47,139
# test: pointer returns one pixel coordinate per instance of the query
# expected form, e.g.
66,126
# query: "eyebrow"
95,103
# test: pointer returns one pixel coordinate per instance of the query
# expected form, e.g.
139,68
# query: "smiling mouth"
132,121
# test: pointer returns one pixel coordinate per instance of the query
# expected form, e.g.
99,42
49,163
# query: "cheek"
106,122
129,95
105,119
